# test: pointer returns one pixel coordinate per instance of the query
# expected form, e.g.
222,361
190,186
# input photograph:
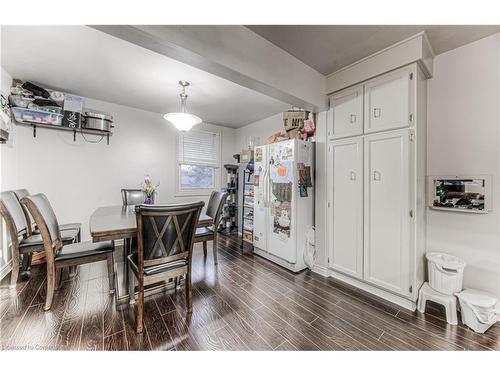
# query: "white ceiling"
331,47
90,63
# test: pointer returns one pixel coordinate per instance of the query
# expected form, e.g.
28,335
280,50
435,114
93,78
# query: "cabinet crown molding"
415,49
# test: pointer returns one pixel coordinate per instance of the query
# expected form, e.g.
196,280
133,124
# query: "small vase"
150,199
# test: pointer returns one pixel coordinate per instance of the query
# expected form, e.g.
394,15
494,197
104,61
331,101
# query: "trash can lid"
477,298
446,260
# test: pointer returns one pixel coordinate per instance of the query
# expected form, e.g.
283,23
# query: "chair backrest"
20,194
165,233
39,207
131,197
13,214
215,204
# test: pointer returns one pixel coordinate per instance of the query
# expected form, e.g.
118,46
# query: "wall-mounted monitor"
460,193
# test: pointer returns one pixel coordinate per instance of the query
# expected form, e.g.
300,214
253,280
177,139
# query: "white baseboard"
400,301
321,270
7,267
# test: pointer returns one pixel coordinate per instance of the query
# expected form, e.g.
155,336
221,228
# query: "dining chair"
132,197
165,238
75,227
68,230
22,243
59,255
214,210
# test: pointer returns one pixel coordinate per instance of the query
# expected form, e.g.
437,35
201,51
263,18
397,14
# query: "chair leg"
58,278
25,269
51,280
15,270
140,304
214,247
111,273
205,249
189,293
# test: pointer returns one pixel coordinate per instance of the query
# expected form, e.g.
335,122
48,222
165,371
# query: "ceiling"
90,63
330,48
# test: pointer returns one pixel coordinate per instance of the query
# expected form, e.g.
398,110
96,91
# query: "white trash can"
446,272
479,309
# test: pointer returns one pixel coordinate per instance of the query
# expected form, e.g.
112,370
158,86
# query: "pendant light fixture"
182,120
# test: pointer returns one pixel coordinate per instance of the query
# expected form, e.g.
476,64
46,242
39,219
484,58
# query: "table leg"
131,286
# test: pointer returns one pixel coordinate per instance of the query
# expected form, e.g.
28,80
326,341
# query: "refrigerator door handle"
266,187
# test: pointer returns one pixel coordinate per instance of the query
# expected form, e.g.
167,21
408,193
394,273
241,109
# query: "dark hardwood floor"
244,303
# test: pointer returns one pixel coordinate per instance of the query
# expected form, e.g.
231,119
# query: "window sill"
193,193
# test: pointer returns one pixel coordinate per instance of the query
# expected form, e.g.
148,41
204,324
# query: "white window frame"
197,192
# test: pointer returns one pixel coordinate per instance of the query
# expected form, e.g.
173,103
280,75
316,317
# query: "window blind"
199,147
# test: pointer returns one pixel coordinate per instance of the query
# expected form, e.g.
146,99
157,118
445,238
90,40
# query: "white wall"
78,177
463,138
262,129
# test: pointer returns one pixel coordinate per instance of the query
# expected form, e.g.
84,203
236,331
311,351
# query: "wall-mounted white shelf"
459,210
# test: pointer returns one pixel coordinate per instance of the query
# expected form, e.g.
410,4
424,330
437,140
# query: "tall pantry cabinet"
376,184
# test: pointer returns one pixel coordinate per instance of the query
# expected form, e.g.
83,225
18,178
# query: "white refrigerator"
283,201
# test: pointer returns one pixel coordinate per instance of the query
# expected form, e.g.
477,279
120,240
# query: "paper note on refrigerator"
282,173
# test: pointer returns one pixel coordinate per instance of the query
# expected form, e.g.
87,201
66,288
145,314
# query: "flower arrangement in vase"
149,190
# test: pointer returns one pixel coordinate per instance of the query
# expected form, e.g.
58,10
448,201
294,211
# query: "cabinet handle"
376,112
377,176
353,176
352,119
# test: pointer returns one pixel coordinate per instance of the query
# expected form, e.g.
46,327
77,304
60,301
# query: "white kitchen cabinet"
388,101
346,117
376,220
346,207
387,210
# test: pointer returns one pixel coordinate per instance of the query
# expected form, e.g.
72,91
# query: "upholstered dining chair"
73,227
165,238
58,255
132,197
214,210
22,243
69,230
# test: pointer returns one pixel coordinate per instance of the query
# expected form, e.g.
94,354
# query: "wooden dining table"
119,223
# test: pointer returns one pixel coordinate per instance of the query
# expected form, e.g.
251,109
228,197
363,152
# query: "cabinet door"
346,206
388,101
347,113
387,215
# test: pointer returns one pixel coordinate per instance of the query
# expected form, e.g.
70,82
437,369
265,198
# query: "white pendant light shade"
183,121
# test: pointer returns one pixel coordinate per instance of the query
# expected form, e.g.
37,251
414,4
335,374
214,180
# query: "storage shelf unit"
247,208
230,210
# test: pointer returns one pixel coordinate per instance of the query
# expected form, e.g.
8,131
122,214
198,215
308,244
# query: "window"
198,162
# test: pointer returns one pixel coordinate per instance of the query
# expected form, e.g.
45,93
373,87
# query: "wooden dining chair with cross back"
214,210
58,255
165,238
